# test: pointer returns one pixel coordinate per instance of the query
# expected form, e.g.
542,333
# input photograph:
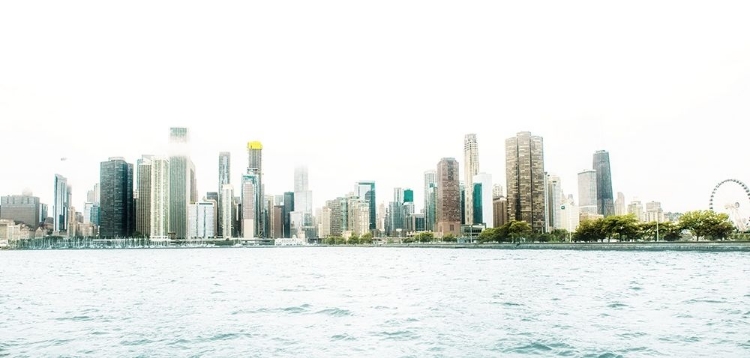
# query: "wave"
335,312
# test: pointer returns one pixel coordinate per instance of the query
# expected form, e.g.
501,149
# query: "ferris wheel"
732,197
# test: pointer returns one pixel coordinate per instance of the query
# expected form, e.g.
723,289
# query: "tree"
559,235
366,238
424,237
449,238
624,226
707,224
518,230
353,240
487,235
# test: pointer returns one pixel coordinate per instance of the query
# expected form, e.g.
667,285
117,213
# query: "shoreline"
706,246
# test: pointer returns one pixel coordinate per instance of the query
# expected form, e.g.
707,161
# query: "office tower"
555,201
365,190
462,195
482,206
636,208
250,205
201,219
524,172
357,215
430,186
398,195
587,191
277,230
225,173
382,211
160,201
181,176
448,198
117,214
91,214
22,209
227,208
499,210
471,168
303,201
620,207
654,212
408,196
61,204
570,215
324,222
604,200
255,166
193,183
288,209
143,204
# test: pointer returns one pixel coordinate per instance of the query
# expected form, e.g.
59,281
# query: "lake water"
374,302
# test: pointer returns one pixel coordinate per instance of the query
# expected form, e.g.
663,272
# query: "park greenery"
701,225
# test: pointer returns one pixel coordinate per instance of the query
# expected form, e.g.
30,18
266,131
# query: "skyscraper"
160,204
117,214
471,168
365,190
224,178
555,201
448,198
250,205
201,219
605,204
482,200
288,209
620,206
430,186
61,204
227,207
303,201
587,191
143,204
181,181
524,172
255,166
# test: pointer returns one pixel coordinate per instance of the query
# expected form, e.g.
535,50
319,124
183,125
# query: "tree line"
701,224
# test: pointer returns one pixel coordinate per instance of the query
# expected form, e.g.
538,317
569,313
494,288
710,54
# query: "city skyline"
659,99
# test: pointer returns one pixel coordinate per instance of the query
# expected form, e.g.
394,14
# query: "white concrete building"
202,221
160,203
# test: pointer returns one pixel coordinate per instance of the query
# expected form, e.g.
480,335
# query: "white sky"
378,90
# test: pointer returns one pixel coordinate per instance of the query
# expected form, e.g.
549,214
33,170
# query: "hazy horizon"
377,91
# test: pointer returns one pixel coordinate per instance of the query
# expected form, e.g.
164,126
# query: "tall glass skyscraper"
605,204
366,192
117,212
61,205
471,168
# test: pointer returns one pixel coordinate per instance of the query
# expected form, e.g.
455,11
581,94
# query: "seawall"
721,246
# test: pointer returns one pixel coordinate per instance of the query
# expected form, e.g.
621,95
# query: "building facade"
160,201
483,204
201,219
587,191
605,204
525,177
117,211
181,174
448,199
430,210
471,168
143,202
22,209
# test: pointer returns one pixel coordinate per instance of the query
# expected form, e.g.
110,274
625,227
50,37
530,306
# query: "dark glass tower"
288,208
117,212
605,203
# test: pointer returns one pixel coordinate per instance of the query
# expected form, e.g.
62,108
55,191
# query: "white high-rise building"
587,191
555,201
620,206
250,214
570,216
471,168
160,203
202,221
227,207
482,196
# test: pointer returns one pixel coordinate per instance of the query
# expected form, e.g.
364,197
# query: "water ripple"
318,302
